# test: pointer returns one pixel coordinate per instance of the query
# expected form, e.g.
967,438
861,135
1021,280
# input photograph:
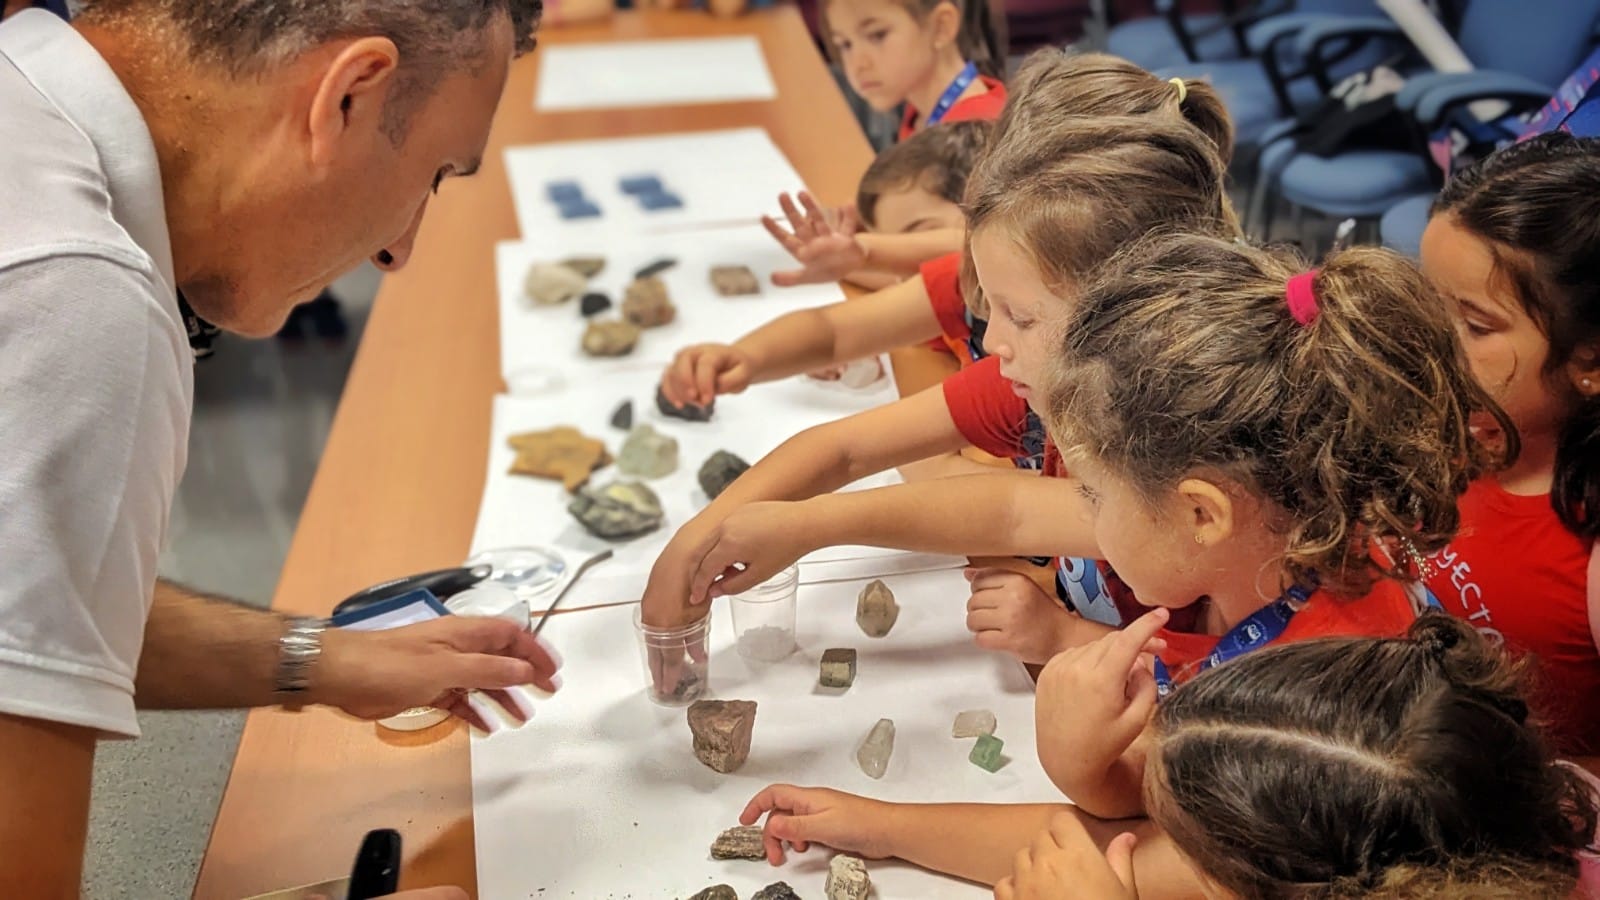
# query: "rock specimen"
593,304
623,418
973,723
718,471
646,303
612,337
550,283
778,890
861,373
722,731
648,453
873,755
587,266
656,268
689,412
838,667
562,453
847,879
986,753
620,510
734,281
743,842
717,892
876,610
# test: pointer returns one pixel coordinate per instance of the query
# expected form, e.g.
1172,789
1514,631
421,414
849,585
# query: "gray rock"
734,281
972,723
876,609
718,471
778,890
743,842
873,755
612,337
689,412
550,283
722,730
717,892
648,453
620,510
656,268
847,879
623,417
838,667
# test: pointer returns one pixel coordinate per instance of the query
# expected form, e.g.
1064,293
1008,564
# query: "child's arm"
999,514
830,246
1075,858
814,461
975,841
1091,715
803,341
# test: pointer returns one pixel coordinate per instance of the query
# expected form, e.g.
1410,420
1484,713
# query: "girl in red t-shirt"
1514,248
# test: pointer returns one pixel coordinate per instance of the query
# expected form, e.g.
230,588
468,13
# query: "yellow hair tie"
1183,89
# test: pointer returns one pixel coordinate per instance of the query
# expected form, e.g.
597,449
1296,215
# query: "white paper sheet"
661,72
600,795
722,177
545,339
519,510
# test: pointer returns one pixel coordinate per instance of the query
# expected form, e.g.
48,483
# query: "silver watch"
298,650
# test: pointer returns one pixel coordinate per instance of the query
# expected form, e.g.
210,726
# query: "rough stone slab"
743,842
722,730
847,879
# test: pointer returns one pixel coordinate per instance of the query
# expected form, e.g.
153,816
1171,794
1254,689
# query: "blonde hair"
1183,357
1092,152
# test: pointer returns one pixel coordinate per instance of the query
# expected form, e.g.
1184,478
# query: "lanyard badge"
962,81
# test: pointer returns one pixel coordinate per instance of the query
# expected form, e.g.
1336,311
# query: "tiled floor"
262,412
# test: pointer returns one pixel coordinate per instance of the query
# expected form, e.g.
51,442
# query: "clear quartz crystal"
875,751
972,723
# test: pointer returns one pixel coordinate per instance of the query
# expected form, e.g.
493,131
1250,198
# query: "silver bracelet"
298,650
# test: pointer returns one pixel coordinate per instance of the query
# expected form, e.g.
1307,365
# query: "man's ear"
350,97
1208,512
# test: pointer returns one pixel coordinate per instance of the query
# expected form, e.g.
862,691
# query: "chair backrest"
1339,7
1542,41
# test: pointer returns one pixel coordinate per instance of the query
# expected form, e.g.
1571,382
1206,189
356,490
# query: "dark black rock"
593,304
656,268
623,417
689,412
717,892
778,890
718,471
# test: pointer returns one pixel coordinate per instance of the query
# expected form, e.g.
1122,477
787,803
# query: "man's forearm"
203,652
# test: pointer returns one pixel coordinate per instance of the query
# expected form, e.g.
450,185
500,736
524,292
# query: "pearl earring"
1199,540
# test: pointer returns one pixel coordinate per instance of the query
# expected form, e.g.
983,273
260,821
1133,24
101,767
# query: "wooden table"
400,480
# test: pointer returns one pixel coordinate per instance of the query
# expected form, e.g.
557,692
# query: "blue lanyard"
1258,629
948,98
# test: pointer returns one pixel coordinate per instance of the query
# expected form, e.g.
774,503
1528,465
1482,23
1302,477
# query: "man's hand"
1063,862
700,373
801,817
376,674
1008,612
823,241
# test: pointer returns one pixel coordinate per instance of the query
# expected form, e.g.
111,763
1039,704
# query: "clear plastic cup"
763,617
677,660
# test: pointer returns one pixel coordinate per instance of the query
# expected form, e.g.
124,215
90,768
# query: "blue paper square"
564,191
579,209
642,184
660,200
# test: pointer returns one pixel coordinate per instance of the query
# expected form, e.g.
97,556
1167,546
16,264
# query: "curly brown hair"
1183,358
938,160
1092,152
1367,767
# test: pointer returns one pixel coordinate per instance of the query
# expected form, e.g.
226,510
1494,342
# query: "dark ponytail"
1538,205
983,39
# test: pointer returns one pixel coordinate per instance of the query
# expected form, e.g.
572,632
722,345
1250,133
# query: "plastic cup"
677,659
763,617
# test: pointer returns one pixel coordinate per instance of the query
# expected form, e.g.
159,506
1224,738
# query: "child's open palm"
823,241
1063,862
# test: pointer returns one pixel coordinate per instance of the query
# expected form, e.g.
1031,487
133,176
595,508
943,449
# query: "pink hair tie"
1302,296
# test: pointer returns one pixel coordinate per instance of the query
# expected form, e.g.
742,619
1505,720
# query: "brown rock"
743,842
722,730
734,281
563,453
646,303
613,337
876,610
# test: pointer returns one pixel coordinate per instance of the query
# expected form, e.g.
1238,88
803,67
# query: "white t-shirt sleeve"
92,426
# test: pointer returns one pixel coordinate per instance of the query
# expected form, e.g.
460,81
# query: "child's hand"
1063,862
754,543
1009,612
801,817
1093,701
823,241
699,373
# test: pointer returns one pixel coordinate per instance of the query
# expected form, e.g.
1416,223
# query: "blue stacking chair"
1171,36
1521,57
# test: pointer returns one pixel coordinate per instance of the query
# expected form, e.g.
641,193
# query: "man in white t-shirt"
245,153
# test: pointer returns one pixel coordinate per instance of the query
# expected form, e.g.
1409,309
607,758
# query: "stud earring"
1199,540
